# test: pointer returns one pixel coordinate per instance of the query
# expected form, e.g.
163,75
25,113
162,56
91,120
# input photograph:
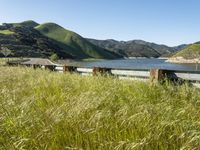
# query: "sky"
170,22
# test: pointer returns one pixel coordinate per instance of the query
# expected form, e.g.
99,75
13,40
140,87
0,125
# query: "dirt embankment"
182,60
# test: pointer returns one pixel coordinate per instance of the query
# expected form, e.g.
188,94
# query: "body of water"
140,63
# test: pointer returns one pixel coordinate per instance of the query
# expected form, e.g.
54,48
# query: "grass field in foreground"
43,110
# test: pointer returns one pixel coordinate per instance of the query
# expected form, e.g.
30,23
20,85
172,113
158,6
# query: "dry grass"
43,110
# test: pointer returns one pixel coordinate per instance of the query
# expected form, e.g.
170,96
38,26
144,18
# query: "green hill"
24,41
28,23
6,32
76,45
190,52
29,39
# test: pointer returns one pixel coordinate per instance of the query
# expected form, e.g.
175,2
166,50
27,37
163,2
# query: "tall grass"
4,60
44,110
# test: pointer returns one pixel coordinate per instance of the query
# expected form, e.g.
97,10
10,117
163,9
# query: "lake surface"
141,63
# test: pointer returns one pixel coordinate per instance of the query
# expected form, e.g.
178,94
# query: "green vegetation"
44,110
28,23
56,32
4,60
34,40
190,52
6,32
76,45
54,57
28,42
136,48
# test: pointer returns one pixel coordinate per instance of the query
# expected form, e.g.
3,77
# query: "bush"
54,57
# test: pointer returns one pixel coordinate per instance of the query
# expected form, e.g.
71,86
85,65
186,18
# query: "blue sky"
170,22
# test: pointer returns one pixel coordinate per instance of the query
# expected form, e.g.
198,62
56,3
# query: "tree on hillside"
54,57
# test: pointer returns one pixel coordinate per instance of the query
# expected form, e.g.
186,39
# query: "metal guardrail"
188,76
131,73
138,74
157,74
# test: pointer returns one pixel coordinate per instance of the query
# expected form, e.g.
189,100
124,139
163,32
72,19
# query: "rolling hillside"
190,52
24,41
136,48
28,23
77,45
29,39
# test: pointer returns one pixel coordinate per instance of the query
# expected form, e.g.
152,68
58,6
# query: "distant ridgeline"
137,48
30,39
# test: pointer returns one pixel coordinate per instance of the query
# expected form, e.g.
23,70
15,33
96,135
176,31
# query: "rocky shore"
181,60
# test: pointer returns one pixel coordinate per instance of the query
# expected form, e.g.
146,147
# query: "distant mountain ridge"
30,39
136,48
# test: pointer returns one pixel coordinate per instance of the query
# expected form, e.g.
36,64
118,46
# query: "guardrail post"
160,75
69,69
101,71
157,75
51,68
34,66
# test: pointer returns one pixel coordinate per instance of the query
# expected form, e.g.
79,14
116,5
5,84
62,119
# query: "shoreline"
181,60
